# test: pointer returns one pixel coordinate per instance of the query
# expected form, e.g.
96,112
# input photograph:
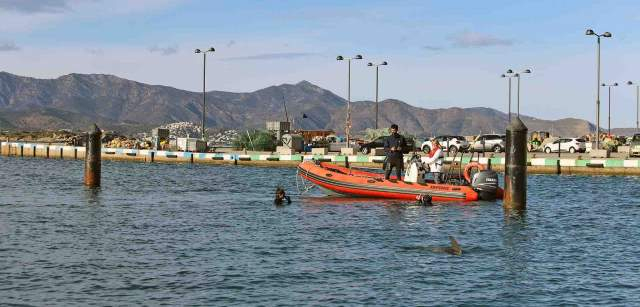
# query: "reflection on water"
92,195
211,235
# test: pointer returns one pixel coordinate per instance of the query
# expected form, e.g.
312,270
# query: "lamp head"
615,84
509,71
503,76
198,51
629,82
384,63
340,58
527,71
358,57
604,84
590,32
369,64
211,49
606,34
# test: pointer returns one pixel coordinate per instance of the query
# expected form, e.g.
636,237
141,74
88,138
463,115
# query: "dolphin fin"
455,247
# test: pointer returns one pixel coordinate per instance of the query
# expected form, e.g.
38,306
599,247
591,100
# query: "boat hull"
357,183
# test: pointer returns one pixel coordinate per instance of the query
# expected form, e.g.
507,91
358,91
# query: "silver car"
489,142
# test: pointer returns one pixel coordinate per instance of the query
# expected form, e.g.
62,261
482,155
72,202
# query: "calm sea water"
161,234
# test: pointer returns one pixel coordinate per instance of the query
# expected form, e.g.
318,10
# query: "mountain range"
75,101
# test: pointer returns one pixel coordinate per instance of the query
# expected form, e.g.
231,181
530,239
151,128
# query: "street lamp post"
637,104
348,121
526,71
609,122
605,34
384,63
509,74
204,83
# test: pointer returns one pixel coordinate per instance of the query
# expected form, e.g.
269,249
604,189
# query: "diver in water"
281,197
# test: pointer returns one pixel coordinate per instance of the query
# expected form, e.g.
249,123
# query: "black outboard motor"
486,184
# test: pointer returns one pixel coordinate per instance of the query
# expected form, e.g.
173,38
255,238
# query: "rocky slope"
75,100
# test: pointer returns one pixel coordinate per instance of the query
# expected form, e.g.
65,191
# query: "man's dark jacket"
394,140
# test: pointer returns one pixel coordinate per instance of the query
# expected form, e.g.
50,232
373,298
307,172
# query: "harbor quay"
537,163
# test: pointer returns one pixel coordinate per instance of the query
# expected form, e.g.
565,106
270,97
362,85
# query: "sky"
441,54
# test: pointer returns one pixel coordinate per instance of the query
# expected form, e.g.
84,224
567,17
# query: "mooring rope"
300,180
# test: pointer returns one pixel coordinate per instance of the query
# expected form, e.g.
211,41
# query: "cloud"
433,48
95,51
19,16
164,50
470,39
35,6
273,56
8,46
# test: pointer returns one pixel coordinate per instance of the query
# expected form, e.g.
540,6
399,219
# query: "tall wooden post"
92,159
515,178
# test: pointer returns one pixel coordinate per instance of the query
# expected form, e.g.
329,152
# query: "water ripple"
163,234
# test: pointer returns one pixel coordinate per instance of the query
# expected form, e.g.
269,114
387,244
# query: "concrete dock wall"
535,165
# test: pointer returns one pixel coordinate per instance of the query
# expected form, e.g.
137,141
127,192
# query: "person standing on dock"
394,144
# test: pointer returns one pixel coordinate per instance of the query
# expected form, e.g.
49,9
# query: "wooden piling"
92,160
515,178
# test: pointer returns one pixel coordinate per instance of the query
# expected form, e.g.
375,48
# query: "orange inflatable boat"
351,182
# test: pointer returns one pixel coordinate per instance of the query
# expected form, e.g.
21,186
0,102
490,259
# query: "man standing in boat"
394,144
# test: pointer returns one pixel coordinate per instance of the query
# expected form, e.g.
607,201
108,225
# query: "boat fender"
468,167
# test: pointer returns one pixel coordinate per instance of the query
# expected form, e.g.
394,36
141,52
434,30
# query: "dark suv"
366,147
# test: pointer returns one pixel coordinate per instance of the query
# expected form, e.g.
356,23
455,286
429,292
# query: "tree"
260,140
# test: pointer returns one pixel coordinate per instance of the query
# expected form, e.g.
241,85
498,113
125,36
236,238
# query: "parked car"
566,145
450,143
366,147
634,149
489,142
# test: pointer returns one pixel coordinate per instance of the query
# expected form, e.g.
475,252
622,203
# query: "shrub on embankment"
259,140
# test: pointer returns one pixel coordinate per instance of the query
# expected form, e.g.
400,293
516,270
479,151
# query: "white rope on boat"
306,184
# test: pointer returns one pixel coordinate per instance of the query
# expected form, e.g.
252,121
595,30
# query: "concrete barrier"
535,165
319,151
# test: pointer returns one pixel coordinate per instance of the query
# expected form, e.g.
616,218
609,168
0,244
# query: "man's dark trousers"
391,163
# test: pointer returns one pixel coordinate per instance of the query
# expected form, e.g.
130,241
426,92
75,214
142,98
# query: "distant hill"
74,101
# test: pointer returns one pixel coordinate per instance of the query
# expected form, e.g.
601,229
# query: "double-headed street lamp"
605,34
609,86
509,74
204,79
348,121
637,104
517,75
384,63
